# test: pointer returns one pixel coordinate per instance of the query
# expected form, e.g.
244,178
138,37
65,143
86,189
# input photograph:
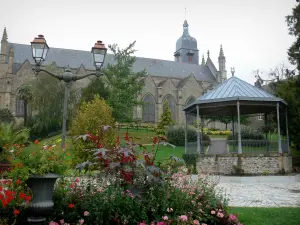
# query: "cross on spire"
232,71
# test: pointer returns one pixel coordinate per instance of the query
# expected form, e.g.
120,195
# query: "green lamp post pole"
39,53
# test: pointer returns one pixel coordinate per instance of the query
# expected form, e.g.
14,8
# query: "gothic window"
149,109
172,106
190,118
190,58
19,107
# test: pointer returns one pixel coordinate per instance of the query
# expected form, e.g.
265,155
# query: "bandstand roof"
222,100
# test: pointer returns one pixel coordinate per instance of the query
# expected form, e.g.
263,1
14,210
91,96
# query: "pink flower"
81,221
62,222
196,222
53,223
219,214
213,212
183,217
204,224
86,213
165,217
161,223
232,217
142,223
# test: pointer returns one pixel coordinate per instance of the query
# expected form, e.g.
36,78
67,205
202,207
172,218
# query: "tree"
123,84
95,87
165,120
6,116
25,93
227,120
47,103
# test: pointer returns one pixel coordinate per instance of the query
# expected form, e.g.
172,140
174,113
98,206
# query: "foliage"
191,162
176,135
49,159
165,120
6,116
178,200
26,94
47,102
123,84
10,138
95,87
248,134
90,117
245,120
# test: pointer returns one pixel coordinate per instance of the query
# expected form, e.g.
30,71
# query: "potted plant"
39,169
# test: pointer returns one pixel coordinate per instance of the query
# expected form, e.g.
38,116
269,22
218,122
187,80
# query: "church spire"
221,54
222,65
185,28
4,36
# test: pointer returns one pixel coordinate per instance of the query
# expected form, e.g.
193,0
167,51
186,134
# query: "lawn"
268,216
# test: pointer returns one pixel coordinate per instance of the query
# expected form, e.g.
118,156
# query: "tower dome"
186,47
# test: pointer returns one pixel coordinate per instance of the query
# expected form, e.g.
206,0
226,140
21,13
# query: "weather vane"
185,13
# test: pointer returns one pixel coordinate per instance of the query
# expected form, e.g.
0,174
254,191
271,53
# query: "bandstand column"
278,130
240,151
198,130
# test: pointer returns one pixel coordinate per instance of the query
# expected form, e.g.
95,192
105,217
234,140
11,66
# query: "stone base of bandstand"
235,164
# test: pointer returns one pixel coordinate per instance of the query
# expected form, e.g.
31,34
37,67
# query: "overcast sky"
253,33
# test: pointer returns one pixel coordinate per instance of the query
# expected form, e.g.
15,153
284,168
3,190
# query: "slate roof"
76,58
236,89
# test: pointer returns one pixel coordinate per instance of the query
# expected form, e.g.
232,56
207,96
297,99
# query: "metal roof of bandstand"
222,100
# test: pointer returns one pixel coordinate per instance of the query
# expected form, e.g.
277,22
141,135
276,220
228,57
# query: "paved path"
269,193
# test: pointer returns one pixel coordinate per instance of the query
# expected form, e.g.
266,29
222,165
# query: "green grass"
268,216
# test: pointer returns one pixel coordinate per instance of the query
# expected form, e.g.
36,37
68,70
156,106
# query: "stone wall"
251,165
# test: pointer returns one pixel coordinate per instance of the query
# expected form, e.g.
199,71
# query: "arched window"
149,108
190,118
172,106
19,107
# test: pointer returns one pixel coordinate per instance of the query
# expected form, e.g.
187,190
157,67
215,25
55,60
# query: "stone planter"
42,190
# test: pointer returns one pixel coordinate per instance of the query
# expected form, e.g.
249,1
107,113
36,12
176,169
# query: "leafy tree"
47,103
165,121
95,87
227,120
123,84
25,94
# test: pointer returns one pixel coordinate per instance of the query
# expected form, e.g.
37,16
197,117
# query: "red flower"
16,212
118,140
72,185
22,195
36,142
154,140
126,136
18,182
71,206
77,180
28,198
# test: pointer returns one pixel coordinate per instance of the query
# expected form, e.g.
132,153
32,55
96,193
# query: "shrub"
90,117
6,116
165,121
247,134
176,135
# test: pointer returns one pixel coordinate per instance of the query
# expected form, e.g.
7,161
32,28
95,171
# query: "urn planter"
42,190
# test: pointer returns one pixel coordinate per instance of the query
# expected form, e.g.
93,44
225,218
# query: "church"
179,82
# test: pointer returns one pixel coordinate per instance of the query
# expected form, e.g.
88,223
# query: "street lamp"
39,53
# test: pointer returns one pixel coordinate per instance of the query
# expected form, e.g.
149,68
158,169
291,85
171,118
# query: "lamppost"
40,50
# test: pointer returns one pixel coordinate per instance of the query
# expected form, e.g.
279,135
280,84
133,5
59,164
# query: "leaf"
125,151
167,143
84,165
101,150
140,163
153,169
114,165
176,159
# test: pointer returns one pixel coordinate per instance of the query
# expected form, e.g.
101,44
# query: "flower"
169,210
219,214
142,223
53,223
196,222
36,142
81,221
213,212
161,223
71,206
86,213
165,218
18,182
16,212
232,218
62,221
183,218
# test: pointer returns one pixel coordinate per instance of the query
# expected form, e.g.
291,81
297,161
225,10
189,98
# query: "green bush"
247,134
6,116
176,135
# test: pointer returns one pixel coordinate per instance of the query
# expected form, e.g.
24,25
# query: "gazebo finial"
232,71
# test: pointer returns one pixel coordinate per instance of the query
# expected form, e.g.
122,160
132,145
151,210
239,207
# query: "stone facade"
251,165
180,81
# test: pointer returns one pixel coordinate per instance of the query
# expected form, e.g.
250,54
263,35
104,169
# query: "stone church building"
179,82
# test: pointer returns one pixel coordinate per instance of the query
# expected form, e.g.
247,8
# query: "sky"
253,33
